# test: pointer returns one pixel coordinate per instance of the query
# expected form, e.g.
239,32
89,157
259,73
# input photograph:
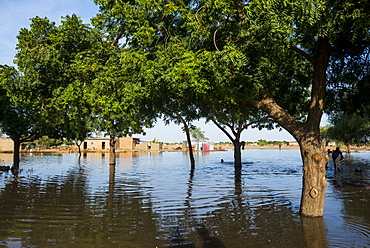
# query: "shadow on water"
177,238
208,240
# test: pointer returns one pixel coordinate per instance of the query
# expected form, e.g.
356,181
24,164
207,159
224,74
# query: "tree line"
238,64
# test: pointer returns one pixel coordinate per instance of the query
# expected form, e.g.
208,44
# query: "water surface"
153,200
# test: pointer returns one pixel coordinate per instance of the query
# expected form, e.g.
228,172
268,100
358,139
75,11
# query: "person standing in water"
337,157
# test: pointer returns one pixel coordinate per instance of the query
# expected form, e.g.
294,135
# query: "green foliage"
53,60
45,142
224,143
351,129
325,135
20,118
81,80
262,142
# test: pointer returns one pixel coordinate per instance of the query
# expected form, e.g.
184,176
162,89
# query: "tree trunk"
237,156
112,149
314,160
307,133
348,150
191,153
78,144
16,155
314,157
188,138
236,142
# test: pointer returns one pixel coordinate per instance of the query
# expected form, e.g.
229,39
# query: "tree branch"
222,129
214,40
303,53
282,117
118,37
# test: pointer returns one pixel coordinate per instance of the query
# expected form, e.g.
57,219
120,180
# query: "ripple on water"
60,201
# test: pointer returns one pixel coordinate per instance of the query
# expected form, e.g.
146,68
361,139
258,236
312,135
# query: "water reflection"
351,187
154,200
314,232
178,240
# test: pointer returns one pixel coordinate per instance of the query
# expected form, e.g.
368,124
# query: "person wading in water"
337,157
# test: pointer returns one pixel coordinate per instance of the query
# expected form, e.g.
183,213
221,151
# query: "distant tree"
198,135
45,142
325,135
224,103
118,102
351,129
262,142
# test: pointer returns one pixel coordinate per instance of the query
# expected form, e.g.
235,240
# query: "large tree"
171,75
57,63
20,118
225,101
289,45
289,48
82,79
118,101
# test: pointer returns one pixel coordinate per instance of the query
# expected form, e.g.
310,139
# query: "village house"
6,145
122,144
199,145
100,144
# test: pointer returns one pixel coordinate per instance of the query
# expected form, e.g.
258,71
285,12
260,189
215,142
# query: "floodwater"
152,200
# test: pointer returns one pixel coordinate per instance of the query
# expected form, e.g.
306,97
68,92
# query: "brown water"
152,200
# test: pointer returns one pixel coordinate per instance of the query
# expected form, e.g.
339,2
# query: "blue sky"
16,14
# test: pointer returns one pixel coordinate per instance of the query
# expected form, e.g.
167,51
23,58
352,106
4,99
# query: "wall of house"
102,144
95,144
6,145
126,143
198,146
153,146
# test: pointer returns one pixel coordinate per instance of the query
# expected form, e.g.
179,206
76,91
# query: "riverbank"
178,147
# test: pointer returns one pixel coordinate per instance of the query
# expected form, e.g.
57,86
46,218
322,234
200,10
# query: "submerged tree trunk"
237,156
313,155
314,160
78,144
112,148
191,153
16,154
348,150
236,142
314,232
187,132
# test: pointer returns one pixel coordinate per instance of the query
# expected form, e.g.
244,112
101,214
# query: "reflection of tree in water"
185,231
45,210
60,210
243,222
